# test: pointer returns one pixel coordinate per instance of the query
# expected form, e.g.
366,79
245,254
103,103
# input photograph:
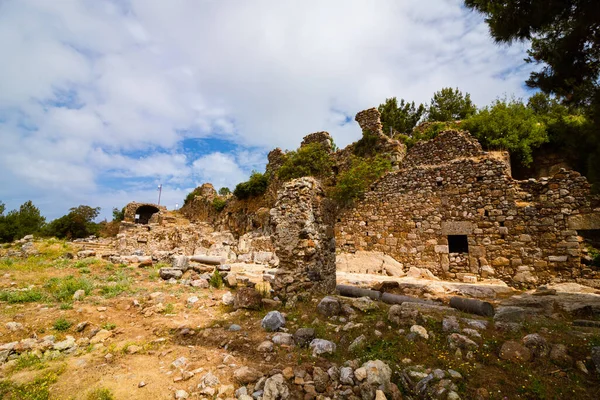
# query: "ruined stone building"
447,206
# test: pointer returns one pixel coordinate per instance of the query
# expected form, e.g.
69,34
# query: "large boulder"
170,273
329,306
515,352
276,388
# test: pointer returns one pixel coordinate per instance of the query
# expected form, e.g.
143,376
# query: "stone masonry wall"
516,231
303,237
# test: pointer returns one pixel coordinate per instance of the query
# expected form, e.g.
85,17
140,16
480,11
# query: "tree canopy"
450,105
78,223
400,118
18,223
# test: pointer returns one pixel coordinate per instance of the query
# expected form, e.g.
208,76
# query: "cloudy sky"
102,100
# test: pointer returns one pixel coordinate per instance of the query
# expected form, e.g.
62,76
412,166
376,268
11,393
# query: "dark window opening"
439,183
486,213
458,244
479,178
144,213
339,220
501,223
589,247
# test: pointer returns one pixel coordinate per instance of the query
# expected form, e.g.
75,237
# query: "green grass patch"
216,280
62,325
38,389
109,326
21,296
27,360
66,306
62,289
101,394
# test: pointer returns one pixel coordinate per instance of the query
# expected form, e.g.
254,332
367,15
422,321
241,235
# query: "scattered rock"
514,351
357,343
81,326
247,298
192,300
346,376
322,346
285,339
456,340
420,331
275,388
450,324
329,306
320,379
79,294
560,356
364,304
245,375
203,284
170,273
14,326
595,355
273,321
235,328
536,344
265,347
303,336
181,394
228,299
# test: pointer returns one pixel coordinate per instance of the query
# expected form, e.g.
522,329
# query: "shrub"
216,280
20,296
219,204
366,145
190,196
224,191
62,324
109,326
354,182
255,186
310,160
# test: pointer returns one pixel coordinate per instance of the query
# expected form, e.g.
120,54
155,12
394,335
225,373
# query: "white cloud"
92,92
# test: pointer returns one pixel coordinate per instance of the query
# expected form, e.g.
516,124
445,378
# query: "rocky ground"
84,328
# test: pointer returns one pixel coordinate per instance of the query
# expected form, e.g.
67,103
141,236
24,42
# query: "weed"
38,389
100,394
27,360
169,308
62,324
216,280
114,290
66,306
62,289
109,326
85,270
20,296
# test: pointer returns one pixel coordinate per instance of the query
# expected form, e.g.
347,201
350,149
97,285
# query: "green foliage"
216,280
219,204
18,223
118,215
224,191
62,325
62,289
450,105
38,389
508,125
169,308
78,223
310,160
354,182
400,118
28,360
21,296
109,326
426,131
366,146
101,394
255,186
190,196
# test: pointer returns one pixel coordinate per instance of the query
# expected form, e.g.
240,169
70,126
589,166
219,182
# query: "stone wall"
132,208
448,189
304,241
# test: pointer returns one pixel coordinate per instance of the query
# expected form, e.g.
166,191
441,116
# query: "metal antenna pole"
159,193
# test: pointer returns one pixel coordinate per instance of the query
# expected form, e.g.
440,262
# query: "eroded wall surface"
449,188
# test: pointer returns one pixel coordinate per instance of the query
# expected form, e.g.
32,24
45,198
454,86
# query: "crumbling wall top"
323,138
370,120
447,146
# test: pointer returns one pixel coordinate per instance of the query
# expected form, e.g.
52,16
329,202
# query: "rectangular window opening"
458,244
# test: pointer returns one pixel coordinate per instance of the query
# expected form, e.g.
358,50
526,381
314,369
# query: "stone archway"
144,213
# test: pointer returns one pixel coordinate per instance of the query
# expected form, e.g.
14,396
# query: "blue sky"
102,100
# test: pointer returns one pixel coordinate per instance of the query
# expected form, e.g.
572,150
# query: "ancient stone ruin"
304,240
143,213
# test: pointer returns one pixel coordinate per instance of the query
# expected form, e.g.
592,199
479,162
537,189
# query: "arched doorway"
144,213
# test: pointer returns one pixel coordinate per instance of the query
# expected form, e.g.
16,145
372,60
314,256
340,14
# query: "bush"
62,325
190,196
100,394
365,147
354,182
255,186
219,204
216,280
508,125
224,191
310,160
